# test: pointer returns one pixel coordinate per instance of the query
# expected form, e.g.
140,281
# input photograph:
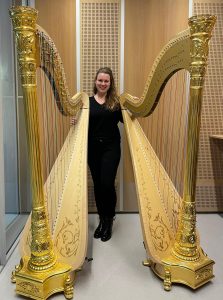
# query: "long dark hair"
111,99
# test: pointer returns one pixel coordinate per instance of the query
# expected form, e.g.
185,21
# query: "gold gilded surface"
194,276
42,254
44,268
25,40
186,245
171,240
41,285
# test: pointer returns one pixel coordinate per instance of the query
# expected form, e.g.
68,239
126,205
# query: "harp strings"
54,128
166,130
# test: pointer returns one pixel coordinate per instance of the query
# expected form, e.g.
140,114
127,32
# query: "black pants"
103,159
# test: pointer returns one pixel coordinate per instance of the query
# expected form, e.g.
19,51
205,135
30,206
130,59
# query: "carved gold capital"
23,16
200,32
24,26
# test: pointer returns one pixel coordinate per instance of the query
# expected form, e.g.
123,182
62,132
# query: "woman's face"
103,83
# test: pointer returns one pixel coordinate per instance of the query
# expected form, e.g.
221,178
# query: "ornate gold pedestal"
193,274
41,285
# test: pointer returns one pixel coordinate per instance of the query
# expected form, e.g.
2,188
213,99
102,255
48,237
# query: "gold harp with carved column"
168,219
54,240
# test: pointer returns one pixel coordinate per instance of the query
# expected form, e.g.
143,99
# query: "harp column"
187,262
186,246
39,275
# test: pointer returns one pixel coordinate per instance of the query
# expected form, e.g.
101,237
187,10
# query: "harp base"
40,285
191,273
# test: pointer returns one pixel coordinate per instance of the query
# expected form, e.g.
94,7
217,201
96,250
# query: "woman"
104,148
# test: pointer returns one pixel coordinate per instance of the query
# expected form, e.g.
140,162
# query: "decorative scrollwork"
67,239
160,233
203,274
200,29
29,287
25,44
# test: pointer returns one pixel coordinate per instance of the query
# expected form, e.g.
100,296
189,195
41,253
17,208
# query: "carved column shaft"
24,25
186,246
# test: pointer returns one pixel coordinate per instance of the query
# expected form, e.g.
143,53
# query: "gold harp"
175,255
169,220
54,240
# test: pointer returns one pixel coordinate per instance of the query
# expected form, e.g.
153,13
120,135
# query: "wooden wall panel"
58,18
149,25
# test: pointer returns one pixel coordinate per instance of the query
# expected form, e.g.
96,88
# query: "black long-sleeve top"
103,123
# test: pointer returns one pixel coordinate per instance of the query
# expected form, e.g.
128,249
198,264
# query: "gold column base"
41,285
191,273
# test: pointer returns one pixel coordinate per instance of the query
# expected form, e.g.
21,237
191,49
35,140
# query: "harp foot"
147,263
68,288
167,279
13,280
14,272
42,284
